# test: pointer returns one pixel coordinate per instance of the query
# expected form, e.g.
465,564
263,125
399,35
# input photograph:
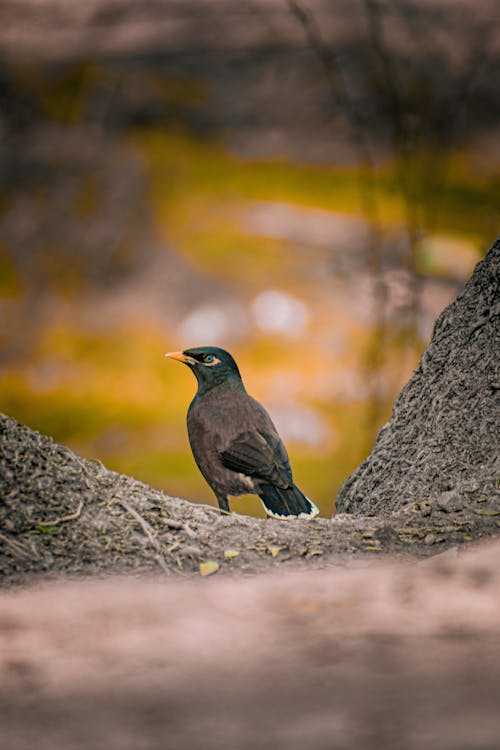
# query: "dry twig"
57,521
149,532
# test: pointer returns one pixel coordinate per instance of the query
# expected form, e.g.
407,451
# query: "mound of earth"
60,513
443,433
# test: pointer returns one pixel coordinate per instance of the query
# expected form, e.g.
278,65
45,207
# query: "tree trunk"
442,438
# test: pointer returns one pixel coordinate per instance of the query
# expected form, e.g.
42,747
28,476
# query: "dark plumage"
234,442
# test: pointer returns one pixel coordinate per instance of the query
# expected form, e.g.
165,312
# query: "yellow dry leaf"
208,567
274,550
229,553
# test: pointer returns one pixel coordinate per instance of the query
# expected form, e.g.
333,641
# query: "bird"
234,441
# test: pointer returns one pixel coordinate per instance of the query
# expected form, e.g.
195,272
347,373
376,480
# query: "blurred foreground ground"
390,655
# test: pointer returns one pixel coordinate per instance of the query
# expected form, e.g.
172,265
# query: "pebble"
449,501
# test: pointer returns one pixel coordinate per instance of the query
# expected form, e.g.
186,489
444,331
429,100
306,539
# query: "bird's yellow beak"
179,356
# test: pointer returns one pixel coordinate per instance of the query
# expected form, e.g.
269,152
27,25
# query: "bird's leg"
223,504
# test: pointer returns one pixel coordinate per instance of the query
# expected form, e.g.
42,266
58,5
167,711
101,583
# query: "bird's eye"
209,358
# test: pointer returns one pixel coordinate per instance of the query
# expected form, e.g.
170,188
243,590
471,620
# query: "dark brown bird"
234,442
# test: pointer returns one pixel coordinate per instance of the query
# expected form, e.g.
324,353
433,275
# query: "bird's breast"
224,413
214,421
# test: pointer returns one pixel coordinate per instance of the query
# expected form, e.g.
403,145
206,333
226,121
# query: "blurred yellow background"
167,201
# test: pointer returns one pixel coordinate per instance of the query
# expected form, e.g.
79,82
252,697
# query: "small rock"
449,502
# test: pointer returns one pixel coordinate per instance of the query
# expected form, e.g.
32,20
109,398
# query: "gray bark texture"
442,438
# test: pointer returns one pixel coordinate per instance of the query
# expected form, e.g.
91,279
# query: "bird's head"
211,365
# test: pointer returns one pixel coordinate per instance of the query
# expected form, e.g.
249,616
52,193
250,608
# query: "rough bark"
442,438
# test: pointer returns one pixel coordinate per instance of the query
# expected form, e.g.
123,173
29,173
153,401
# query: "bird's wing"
259,455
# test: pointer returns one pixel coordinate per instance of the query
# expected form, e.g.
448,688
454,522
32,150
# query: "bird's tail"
285,504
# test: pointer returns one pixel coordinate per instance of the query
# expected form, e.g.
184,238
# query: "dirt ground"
368,655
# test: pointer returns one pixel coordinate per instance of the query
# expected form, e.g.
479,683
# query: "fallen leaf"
209,567
274,551
229,553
